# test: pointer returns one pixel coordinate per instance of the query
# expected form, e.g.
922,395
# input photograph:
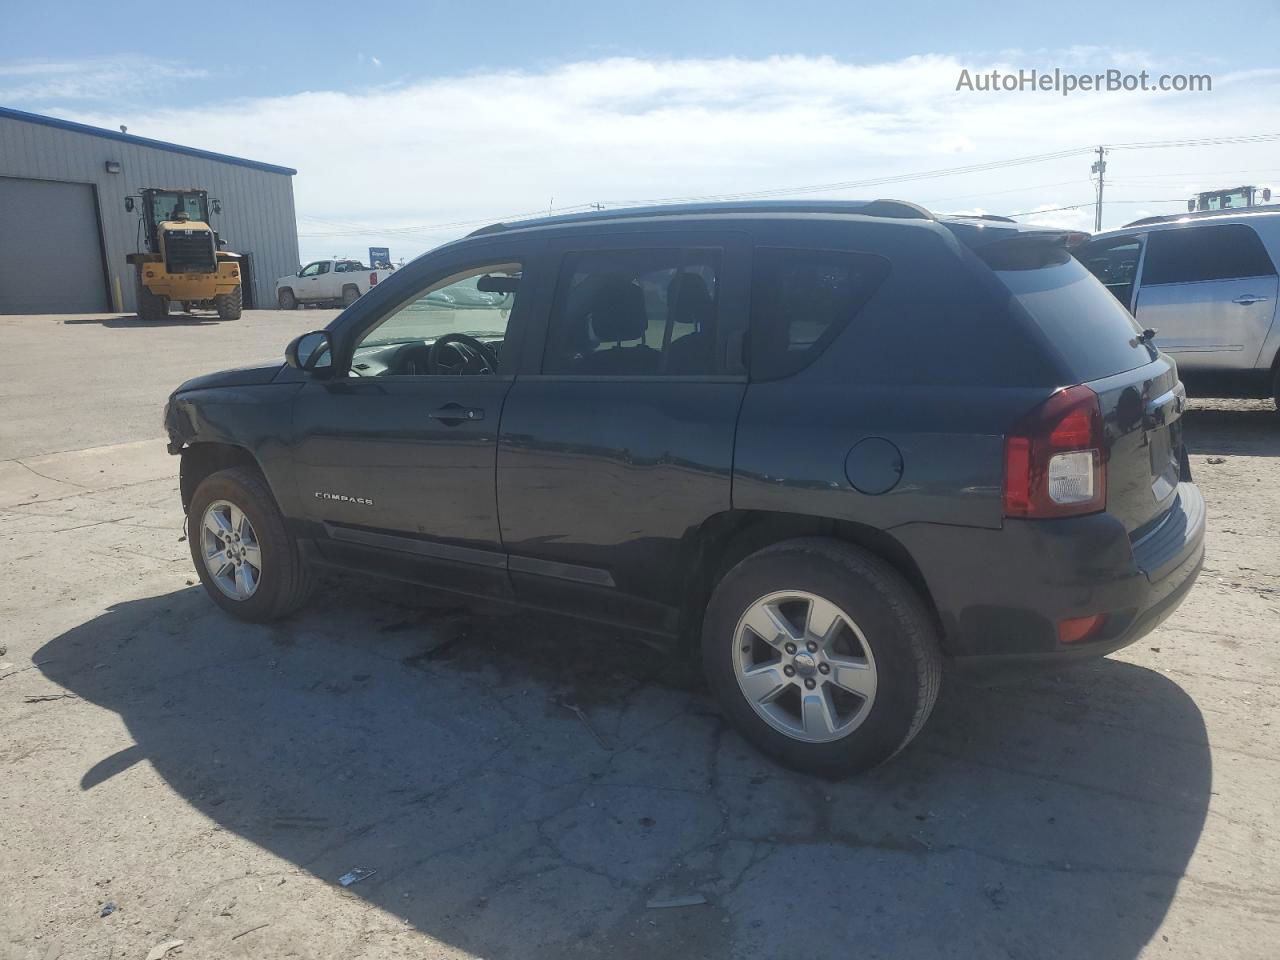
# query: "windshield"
168,204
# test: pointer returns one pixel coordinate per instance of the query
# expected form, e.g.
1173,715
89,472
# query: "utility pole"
1100,168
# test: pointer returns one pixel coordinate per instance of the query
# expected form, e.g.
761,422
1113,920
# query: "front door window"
457,325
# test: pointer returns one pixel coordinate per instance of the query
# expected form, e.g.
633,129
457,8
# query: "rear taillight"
1055,458
373,279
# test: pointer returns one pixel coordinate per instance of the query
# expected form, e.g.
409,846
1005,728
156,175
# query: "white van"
1206,283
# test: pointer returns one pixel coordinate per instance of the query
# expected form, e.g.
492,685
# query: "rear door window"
1115,263
801,300
1192,254
636,313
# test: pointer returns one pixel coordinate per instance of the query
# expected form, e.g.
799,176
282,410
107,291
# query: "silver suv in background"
1206,283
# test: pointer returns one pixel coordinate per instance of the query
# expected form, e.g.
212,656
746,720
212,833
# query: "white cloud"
409,157
101,79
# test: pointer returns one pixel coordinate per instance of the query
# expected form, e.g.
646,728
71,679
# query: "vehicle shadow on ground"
173,320
524,786
1254,433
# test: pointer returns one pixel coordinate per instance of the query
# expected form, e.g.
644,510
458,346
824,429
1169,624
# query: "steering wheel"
477,356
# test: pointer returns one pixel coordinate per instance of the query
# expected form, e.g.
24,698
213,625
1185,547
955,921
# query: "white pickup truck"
329,282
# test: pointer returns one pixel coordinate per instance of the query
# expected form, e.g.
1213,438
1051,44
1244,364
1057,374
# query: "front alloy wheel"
231,551
804,666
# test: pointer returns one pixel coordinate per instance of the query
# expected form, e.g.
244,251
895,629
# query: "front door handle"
455,413
1249,299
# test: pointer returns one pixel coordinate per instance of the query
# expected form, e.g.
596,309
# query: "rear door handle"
1248,299
455,413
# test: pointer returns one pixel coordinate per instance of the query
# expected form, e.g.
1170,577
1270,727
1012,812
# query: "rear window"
801,300
1095,335
1192,254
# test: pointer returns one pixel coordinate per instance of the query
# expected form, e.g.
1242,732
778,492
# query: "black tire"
286,299
286,581
152,307
894,619
350,294
229,305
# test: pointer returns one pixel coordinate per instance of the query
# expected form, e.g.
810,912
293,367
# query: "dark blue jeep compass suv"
833,444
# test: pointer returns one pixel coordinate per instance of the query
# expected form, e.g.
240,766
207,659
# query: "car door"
1115,261
319,283
618,444
1210,293
394,456
305,281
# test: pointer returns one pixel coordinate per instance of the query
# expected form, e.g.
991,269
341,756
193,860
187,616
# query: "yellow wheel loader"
183,259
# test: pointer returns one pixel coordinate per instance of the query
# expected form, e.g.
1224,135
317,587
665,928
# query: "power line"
417,229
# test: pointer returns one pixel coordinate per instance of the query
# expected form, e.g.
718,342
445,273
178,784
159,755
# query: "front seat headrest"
689,300
618,312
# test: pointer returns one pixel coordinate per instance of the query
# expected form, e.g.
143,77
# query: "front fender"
257,419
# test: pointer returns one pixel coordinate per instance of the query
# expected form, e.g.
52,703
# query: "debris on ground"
689,900
1216,460
245,933
51,696
582,715
355,876
160,950
5,676
108,908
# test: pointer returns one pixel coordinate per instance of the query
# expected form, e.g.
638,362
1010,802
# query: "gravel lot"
168,774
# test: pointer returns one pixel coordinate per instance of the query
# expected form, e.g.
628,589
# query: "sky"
411,123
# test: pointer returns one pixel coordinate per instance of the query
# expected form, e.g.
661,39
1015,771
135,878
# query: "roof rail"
1257,209
892,209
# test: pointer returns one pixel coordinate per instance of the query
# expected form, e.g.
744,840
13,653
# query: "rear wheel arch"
727,538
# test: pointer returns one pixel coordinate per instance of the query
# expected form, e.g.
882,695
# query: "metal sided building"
64,230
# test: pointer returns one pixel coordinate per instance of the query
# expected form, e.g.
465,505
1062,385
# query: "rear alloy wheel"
821,655
804,666
349,296
287,300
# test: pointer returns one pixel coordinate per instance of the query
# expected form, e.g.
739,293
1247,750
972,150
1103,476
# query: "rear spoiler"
1029,249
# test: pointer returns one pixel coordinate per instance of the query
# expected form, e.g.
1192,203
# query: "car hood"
237,377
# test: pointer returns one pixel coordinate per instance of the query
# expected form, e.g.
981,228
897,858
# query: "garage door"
50,248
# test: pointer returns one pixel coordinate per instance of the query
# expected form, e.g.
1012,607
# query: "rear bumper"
1001,593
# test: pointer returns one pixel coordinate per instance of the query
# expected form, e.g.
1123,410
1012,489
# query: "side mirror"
128,204
310,352
215,206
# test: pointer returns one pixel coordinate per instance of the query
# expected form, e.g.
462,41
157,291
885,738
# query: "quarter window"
1192,254
801,300
622,313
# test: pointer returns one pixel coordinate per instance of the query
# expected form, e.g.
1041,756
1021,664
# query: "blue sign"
379,256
